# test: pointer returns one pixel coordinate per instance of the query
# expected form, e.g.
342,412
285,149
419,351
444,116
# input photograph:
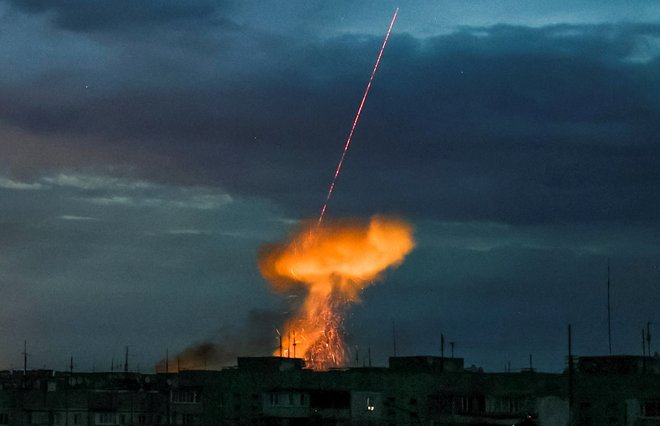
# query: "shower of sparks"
357,118
333,267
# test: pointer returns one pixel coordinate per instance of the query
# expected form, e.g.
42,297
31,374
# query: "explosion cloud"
333,263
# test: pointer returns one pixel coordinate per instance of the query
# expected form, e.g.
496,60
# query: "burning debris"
333,262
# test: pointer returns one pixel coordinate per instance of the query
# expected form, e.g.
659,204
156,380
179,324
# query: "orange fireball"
334,262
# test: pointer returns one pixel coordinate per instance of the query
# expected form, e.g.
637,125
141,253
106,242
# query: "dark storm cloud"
99,15
512,124
505,123
502,123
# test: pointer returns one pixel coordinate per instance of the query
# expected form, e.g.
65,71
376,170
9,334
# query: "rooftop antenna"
288,350
452,348
442,345
609,311
280,336
643,342
25,356
167,360
357,356
442,352
644,354
571,372
294,344
369,355
648,338
393,338
71,365
126,360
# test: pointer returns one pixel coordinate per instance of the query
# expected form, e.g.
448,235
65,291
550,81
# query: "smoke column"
357,118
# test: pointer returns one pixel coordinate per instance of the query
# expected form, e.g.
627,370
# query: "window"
106,418
185,396
513,405
465,404
286,399
652,408
585,421
38,417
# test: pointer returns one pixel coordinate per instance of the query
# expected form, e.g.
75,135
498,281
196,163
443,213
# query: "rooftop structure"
280,391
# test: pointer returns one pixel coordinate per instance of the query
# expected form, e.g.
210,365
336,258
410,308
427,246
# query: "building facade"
280,391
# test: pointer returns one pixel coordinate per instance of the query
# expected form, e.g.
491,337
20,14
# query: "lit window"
370,404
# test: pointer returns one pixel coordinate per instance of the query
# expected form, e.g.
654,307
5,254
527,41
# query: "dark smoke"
256,338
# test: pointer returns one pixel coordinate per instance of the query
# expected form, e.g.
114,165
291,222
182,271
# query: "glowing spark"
357,117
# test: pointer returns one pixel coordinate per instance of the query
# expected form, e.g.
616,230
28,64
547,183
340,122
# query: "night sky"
148,149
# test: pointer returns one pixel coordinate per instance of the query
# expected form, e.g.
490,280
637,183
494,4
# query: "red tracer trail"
357,117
